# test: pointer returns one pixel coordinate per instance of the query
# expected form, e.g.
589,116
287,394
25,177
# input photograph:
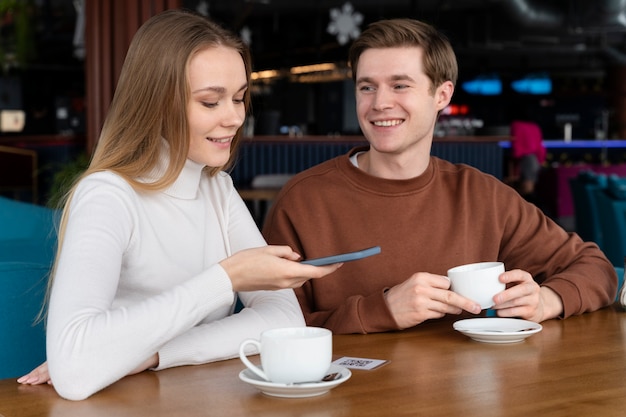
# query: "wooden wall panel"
109,28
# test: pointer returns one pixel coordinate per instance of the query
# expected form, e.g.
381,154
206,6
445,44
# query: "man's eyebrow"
364,80
402,77
398,77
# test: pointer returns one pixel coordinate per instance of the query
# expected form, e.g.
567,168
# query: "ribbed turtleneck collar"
188,182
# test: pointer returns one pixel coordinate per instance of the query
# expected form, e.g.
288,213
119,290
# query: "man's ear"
443,94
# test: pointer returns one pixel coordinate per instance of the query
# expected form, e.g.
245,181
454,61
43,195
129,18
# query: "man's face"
396,108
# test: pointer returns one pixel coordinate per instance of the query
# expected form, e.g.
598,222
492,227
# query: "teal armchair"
586,215
27,232
22,292
27,247
612,215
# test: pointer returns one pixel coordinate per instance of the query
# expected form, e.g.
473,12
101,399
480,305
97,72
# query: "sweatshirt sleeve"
577,271
357,313
315,211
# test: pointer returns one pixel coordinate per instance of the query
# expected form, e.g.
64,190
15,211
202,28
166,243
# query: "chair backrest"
586,216
620,281
270,180
21,220
612,215
27,232
585,211
22,290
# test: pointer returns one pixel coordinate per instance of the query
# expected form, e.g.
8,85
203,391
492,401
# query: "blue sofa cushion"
22,293
22,250
27,232
616,187
591,177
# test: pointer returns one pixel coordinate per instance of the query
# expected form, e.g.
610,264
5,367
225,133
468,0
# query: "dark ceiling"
570,36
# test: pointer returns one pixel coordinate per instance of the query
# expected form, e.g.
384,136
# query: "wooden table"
574,367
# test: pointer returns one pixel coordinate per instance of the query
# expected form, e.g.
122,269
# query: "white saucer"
497,330
309,389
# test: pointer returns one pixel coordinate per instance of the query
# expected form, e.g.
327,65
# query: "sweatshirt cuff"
375,314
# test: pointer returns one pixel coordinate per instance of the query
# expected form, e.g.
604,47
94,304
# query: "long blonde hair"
150,100
150,103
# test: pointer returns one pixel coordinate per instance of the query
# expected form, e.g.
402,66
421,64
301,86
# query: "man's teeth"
386,123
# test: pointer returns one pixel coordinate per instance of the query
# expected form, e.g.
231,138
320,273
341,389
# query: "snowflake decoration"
345,23
246,35
203,8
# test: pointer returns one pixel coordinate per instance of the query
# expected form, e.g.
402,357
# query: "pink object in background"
526,138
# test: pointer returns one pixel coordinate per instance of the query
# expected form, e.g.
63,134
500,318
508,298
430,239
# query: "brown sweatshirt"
448,216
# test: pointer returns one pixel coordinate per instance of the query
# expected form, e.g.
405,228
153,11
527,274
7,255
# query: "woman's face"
218,83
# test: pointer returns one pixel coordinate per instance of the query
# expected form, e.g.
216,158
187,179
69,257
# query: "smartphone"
344,257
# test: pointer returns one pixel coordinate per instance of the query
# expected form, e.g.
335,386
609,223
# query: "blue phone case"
344,257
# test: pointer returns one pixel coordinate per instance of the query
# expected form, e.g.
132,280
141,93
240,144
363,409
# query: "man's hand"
425,296
524,298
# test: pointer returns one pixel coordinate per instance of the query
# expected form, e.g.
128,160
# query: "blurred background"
563,62
564,59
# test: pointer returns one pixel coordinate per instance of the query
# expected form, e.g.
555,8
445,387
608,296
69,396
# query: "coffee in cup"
291,355
478,281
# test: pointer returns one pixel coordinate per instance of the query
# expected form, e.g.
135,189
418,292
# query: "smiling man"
427,215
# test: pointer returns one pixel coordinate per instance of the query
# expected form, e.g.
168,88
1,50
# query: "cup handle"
246,361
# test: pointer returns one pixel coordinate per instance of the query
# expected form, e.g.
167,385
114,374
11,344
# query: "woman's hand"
37,376
40,374
270,268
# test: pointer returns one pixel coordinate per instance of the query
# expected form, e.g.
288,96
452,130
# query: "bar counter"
261,155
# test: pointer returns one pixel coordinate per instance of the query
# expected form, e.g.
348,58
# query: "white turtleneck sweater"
139,274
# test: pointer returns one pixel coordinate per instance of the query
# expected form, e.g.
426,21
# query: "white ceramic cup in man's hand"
479,281
291,355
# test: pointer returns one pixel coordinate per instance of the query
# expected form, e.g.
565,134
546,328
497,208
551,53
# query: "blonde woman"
155,242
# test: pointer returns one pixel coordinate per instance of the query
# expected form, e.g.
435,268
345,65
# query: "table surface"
573,367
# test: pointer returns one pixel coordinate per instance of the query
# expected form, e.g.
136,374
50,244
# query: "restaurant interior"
562,61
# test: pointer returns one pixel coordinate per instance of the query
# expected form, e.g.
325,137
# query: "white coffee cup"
292,354
478,281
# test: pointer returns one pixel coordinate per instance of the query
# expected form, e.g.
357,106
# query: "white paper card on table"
359,363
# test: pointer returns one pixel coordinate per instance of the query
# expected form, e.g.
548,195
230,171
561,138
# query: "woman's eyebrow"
215,89
218,89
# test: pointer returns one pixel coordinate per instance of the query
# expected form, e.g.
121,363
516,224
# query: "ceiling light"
488,85
305,69
265,75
